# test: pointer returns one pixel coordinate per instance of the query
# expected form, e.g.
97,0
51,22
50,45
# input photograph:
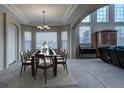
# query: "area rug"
62,80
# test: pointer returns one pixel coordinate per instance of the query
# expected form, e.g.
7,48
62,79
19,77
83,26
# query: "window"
120,35
27,40
64,39
85,34
102,14
49,37
87,19
119,13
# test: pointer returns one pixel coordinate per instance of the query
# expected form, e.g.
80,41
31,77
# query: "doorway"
11,46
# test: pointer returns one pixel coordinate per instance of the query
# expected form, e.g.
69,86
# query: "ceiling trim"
69,12
17,13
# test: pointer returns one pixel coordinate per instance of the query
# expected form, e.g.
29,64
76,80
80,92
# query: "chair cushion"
47,64
60,60
58,55
27,61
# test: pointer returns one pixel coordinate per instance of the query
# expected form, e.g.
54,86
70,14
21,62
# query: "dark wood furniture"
104,53
63,60
53,55
120,55
86,49
113,56
106,37
60,54
43,64
24,62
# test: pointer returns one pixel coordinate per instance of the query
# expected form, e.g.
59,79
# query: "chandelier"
43,27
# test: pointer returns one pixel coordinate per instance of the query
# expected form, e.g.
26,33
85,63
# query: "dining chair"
60,54
29,52
24,62
63,61
42,63
27,56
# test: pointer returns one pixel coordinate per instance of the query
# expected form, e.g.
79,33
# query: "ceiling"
56,14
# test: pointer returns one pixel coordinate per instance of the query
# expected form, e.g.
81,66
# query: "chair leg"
25,68
36,71
21,70
45,76
35,74
53,70
66,68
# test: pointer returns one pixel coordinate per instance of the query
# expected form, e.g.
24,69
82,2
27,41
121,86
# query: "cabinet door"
104,38
112,38
98,39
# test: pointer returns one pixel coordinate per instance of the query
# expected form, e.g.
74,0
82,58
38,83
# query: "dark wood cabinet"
106,37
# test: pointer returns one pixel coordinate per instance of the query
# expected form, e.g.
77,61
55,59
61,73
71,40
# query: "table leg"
55,69
32,67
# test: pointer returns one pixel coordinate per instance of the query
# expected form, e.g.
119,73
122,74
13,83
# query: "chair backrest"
60,50
25,54
65,55
28,52
22,57
40,56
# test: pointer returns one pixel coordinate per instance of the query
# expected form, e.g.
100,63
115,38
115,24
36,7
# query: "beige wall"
3,27
1,41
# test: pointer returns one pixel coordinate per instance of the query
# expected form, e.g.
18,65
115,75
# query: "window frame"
90,33
31,40
47,32
107,15
115,13
117,25
62,38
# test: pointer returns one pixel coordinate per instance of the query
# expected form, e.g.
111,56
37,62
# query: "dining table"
51,53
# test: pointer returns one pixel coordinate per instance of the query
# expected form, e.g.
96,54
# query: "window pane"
119,13
102,14
120,35
64,40
28,40
85,34
87,19
49,37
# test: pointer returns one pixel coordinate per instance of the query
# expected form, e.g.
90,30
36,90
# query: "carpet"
62,80
94,73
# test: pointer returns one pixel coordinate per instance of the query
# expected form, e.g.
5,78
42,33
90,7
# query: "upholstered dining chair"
24,62
27,55
63,60
42,63
60,54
